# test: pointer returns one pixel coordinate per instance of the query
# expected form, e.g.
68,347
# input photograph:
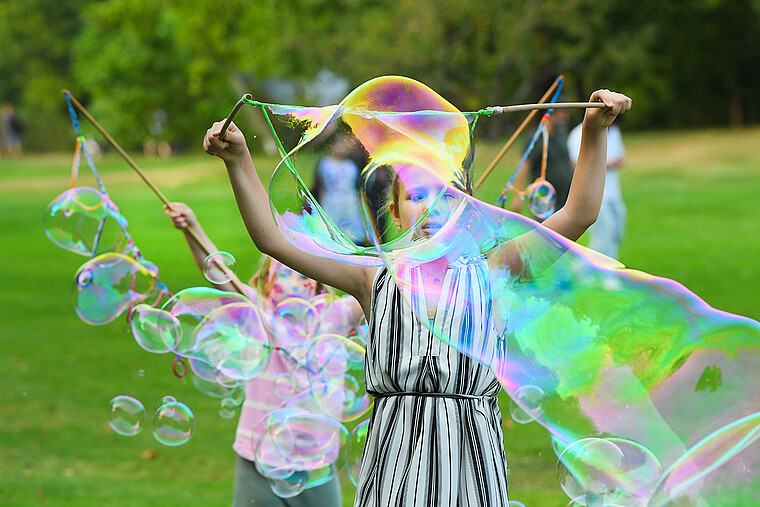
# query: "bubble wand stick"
206,248
517,132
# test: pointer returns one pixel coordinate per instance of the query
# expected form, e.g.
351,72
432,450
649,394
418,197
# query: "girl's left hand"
616,103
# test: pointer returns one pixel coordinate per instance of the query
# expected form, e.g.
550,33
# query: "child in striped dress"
435,435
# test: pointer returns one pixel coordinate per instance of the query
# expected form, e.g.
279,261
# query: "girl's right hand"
231,147
182,215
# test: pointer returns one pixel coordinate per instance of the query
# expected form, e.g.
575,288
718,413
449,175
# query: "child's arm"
253,203
585,197
183,218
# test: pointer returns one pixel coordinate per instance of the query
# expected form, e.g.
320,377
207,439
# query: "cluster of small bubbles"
173,422
296,449
219,267
542,199
531,398
127,415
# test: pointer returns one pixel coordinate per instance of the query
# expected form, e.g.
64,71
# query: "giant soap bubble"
619,354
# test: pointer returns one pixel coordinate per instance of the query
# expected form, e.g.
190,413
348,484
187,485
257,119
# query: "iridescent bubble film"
336,364
297,448
526,404
355,449
127,415
173,423
222,329
85,221
541,200
108,285
219,267
618,354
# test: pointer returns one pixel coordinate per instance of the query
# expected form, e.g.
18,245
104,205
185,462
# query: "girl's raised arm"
585,197
253,203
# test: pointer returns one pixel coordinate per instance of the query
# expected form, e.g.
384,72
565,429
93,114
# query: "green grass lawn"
692,216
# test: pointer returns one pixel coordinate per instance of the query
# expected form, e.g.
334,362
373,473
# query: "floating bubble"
127,415
210,388
294,323
589,471
144,319
355,449
222,329
227,408
173,423
515,503
219,267
292,441
529,397
85,221
335,366
284,386
290,486
108,285
542,199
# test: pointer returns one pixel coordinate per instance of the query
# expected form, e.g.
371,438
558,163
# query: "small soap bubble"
530,397
591,471
173,423
219,267
284,386
290,486
542,199
227,408
127,415
168,399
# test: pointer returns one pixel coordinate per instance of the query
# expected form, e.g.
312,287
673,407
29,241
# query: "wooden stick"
551,105
204,245
517,132
232,114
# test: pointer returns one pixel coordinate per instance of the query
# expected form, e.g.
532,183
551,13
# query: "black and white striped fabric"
423,449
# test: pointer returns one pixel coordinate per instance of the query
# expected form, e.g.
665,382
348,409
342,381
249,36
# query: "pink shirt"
260,393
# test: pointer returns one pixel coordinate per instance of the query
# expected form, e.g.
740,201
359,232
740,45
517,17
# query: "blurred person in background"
609,229
10,131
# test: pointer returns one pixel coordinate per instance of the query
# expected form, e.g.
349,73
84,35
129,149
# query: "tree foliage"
685,62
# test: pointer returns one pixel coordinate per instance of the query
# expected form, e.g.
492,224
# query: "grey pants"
252,489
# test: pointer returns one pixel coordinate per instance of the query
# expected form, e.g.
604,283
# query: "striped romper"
435,436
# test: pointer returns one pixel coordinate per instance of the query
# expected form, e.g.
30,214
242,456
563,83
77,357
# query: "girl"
435,436
276,283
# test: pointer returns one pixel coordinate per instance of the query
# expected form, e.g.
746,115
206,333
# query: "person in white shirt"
609,229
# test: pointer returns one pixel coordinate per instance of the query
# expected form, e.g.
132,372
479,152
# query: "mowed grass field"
693,216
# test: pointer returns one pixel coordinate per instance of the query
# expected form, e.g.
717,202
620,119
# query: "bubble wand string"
517,132
206,248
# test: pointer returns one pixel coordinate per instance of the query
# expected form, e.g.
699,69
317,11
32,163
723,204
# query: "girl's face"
286,283
417,197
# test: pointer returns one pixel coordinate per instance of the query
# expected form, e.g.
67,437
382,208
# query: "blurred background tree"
164,71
